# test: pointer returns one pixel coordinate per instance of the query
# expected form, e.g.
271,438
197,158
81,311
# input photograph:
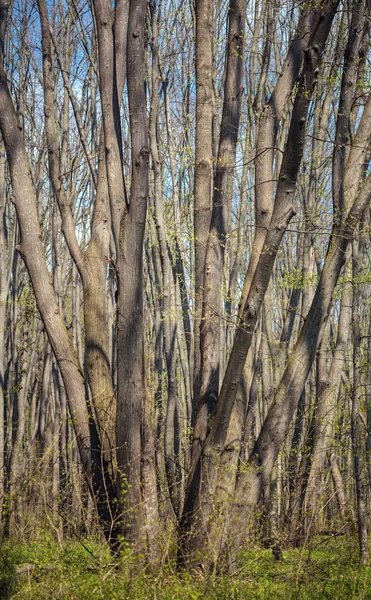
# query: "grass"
328,569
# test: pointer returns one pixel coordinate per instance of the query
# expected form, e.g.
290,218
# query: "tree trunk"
220,226
358,449
203,166
134,436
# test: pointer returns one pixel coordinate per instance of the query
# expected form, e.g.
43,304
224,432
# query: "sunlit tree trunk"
203,168
135,444
357,445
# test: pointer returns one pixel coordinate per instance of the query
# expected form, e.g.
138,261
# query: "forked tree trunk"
211,324
32,251
92,267
135,444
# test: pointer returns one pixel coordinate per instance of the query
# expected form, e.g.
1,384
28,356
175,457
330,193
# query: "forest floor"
46,570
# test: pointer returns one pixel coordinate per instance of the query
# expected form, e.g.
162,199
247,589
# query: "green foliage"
329,569
79,571
8,558
293,279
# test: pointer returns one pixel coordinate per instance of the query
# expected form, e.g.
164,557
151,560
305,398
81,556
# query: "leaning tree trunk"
207,500
264,454
92,267
32,252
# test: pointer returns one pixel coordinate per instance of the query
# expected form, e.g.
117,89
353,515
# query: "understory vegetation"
84,569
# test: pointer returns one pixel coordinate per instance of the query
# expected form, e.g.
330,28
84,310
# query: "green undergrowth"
85,571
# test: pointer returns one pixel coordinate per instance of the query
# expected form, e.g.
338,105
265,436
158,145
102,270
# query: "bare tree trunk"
134,436
326,400
167,290
368,401
203,166
220,225
92,267
358,449
337,478
4,288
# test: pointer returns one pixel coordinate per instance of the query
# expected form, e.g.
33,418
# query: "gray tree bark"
358,447
203,167
135,444
206,499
